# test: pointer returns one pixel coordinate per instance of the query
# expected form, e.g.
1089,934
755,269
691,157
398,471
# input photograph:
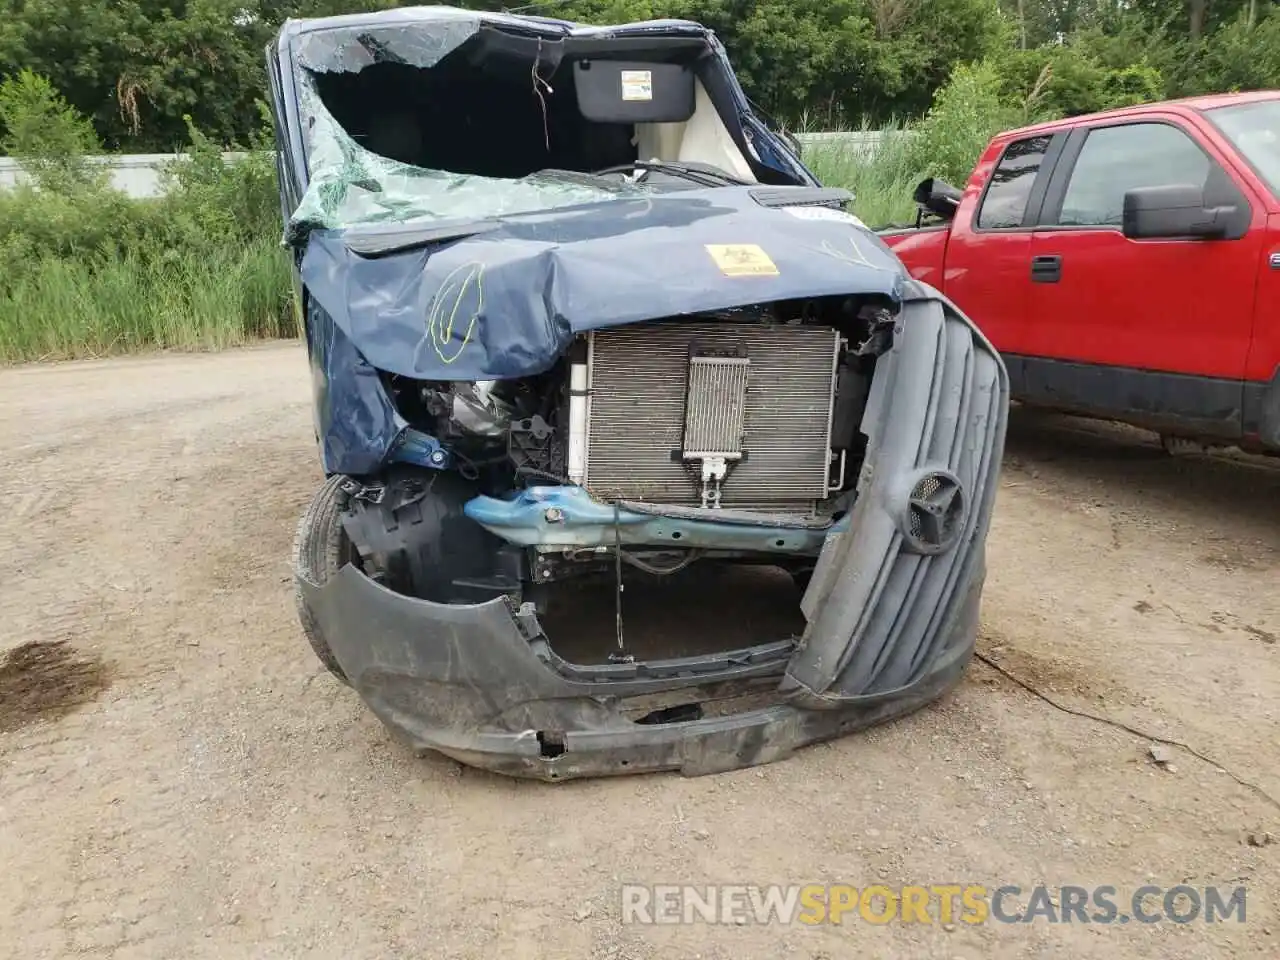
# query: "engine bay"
733,436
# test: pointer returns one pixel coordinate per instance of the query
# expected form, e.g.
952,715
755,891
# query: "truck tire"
320,549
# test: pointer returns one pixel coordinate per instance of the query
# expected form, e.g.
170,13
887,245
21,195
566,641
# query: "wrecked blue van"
576,315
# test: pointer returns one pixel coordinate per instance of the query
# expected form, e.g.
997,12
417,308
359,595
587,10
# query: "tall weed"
881,177
947,143
966,113
63,308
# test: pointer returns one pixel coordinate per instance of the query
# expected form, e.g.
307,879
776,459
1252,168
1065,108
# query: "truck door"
1253,129
985,272
1154,330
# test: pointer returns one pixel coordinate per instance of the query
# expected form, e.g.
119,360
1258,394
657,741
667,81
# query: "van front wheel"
320,549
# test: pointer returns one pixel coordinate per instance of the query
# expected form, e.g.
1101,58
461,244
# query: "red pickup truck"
1126,264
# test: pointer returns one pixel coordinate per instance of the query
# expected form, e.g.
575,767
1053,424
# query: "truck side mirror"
1173,211
938,197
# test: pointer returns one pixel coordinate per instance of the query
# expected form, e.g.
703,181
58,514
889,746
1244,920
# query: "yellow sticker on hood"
742,260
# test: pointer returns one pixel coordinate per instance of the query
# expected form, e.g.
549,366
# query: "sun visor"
616,91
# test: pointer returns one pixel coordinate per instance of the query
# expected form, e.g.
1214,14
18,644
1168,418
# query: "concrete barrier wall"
137,174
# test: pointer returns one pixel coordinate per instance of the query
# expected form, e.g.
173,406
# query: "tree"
842,61
48,135
135,67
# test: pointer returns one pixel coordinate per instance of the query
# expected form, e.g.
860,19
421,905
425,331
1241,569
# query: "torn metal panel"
355,421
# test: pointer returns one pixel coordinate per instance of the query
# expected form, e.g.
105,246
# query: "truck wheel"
320,549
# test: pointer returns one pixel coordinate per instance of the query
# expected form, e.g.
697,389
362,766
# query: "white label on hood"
637,85
824,213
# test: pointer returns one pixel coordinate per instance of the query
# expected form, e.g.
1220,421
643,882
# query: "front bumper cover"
466,681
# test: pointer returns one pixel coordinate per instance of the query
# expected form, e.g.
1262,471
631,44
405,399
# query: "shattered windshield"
1254,130
351,184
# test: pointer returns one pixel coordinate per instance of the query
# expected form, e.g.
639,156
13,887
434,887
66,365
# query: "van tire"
321,548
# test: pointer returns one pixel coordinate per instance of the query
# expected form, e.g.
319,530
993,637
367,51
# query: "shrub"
48,135
86,270
1068,80
222,202
966,113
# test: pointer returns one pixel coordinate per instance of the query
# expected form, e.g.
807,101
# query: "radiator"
756,396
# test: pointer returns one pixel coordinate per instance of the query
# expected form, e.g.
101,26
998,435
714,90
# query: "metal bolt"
554,515
437,457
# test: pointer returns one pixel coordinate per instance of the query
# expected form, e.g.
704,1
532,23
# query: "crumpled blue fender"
355,421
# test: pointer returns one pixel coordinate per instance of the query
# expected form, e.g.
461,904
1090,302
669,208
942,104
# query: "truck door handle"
1047,269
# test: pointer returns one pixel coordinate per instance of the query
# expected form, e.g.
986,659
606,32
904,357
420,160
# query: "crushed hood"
502,299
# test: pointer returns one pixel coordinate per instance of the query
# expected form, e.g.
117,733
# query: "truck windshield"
1254,130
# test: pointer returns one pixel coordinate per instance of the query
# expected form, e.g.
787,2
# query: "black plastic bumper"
467,682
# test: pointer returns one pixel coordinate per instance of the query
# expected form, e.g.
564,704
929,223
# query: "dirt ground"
181,778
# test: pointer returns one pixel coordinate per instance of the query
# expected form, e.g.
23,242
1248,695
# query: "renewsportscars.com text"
813,904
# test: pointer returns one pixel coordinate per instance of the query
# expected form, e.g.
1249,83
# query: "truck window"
1005,202
1115,160
1254,130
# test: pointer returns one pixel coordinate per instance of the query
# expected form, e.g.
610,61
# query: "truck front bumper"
467,681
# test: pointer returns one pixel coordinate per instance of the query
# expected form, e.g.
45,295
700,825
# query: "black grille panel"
879,611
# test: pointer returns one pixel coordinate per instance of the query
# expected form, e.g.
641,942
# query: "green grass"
881,180
66,308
